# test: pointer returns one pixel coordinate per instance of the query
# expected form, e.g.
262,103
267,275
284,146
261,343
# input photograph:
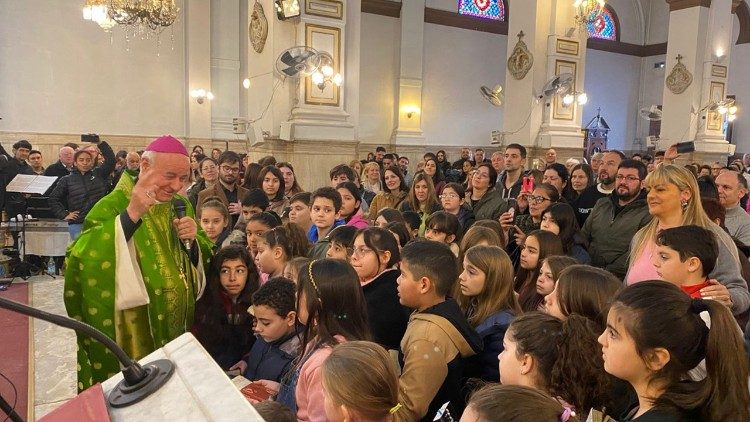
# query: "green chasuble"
170,280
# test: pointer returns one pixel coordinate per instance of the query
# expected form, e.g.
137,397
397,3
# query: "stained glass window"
602,27
487,9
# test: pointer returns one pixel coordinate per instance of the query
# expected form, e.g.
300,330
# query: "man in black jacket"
15,203
64,164
82,188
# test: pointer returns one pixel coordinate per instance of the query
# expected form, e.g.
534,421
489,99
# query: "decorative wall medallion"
258,28
679,78
521,60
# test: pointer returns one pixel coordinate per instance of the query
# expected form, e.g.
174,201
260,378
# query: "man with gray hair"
732,186
64,164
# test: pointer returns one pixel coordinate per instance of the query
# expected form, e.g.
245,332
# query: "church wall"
657,21
74,78
613,83
456,63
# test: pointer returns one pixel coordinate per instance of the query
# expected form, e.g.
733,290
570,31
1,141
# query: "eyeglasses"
620,178
230,169
361,251
537,199
448,196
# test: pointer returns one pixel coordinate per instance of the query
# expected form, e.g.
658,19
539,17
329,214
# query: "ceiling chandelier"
588,11
142,17
96,11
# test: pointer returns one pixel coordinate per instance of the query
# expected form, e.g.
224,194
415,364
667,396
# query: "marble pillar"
557,46
409,104
699,46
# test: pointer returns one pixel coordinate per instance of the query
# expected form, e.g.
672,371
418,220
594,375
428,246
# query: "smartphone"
527,184
684,147
91,138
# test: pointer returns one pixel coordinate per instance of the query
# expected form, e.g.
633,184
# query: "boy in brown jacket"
438,337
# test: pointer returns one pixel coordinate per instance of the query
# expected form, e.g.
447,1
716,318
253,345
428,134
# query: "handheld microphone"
180,210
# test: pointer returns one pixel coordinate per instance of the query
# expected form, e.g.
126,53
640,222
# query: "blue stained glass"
487,9
602,27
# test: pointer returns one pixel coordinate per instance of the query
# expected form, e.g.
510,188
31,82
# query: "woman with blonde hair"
352,394
674,200
485,295
370,178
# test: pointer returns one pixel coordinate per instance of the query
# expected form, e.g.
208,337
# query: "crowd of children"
410,305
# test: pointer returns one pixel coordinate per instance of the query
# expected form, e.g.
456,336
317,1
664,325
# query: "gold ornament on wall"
679,78
521,60
258,28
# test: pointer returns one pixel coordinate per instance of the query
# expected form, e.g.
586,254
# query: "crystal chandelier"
588,11
144,15
96,11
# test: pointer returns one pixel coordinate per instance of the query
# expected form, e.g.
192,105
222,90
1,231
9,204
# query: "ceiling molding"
452,19
685,4
382,7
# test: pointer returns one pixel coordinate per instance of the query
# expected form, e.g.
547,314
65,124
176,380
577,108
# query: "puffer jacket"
608,236
80,191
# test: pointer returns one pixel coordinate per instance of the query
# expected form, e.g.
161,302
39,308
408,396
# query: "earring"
684,204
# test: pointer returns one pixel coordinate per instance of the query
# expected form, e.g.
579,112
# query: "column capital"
685,4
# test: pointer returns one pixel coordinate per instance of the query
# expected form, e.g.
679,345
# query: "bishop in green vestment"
129,274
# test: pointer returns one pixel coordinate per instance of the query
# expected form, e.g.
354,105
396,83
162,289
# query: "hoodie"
435,345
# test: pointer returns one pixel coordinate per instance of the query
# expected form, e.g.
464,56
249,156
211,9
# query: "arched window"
605,27
487,9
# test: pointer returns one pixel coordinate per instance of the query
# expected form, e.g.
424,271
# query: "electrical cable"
10,411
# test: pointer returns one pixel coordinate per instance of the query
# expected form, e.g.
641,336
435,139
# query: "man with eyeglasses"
607,172
227,190
615,219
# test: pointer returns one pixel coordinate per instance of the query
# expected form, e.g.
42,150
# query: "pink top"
309,391
642,268
358,221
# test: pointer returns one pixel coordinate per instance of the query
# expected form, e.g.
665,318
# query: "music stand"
27,184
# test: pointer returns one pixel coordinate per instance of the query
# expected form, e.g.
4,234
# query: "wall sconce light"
201,95
325,72
719,54
411,110
246,83
287,9
579,97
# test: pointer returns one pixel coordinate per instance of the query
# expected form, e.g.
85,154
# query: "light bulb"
583,98
722,109
327,71
338,79
568,99
87,13
317,78
210,95
732,110
731,117
246,83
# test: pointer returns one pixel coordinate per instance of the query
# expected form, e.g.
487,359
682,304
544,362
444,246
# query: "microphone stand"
139,381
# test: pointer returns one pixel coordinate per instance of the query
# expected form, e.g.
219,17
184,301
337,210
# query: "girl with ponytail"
655,334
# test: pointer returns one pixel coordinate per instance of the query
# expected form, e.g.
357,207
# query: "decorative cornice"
685,4
446,18
382,7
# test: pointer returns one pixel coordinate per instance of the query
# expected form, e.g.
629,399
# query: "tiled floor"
54,349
